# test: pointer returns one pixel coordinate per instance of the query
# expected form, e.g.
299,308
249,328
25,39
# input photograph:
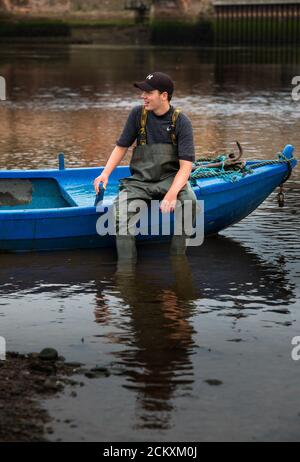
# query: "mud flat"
25,380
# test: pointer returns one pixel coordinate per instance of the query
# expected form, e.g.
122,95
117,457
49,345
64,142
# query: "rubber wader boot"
126,248
178,245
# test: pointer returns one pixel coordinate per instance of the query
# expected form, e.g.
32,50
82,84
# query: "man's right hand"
103,178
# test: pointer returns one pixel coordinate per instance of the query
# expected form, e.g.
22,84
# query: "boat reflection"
218,265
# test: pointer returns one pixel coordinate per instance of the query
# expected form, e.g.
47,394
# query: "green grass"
15,27
33,28
97,23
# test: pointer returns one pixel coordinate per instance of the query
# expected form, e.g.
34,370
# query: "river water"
198,350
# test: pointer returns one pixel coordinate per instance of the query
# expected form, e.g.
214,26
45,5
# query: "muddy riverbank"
25,380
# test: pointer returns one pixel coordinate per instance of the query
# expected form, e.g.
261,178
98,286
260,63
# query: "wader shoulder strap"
174,120
142,131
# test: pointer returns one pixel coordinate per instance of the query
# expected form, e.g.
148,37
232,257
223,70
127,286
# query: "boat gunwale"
210,187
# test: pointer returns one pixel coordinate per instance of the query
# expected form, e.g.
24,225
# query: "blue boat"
55,209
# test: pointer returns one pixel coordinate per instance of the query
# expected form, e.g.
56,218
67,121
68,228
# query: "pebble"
100,371
53,384
90,375
214,382
48,354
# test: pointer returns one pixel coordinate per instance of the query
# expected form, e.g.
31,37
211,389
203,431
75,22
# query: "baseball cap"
156,81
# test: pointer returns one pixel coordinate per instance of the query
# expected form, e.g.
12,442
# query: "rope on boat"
235,169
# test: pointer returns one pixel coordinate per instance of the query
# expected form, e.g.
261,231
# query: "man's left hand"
168,203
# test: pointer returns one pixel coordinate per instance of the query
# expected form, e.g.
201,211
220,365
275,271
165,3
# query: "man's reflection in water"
152,308
157,306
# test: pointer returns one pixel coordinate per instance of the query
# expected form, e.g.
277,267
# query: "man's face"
153,100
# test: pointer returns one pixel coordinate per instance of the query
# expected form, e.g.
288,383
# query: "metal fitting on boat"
280,196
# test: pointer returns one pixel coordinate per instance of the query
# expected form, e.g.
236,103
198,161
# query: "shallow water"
191,344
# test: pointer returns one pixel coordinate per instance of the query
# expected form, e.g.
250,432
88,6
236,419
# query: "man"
162,160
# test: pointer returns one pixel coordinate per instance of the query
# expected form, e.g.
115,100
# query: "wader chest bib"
153,168
153,163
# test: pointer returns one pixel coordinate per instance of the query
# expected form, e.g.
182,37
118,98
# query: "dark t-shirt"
157,131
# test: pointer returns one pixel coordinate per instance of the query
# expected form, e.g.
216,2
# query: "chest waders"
153,168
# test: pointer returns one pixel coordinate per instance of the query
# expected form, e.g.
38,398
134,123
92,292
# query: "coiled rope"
233,172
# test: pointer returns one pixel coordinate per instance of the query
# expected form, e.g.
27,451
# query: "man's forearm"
115,158
181,178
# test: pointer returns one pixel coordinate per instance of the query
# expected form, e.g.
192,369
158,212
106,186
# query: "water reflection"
216,267
160,341
75,99
148,318
159,301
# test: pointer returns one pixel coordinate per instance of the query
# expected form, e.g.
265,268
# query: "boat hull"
72,224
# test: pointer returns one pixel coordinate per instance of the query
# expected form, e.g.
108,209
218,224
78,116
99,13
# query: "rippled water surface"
198,349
